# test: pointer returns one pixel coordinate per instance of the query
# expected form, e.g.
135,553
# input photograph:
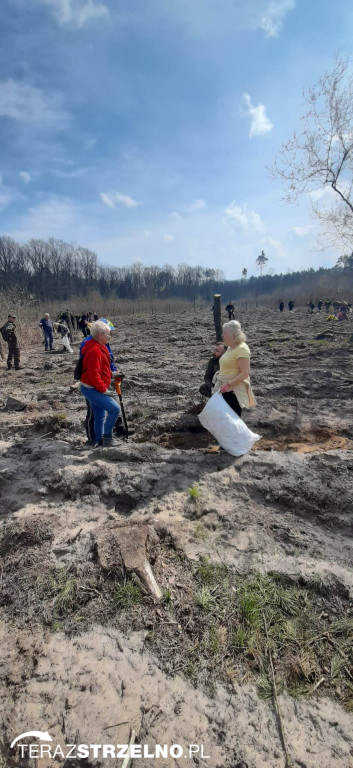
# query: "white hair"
97,328
234,328
47,314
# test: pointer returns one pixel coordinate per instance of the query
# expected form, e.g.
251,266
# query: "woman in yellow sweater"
233,379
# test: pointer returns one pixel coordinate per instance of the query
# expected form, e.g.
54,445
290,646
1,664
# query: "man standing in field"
47,325
8,332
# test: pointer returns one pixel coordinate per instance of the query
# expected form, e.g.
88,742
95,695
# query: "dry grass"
212,625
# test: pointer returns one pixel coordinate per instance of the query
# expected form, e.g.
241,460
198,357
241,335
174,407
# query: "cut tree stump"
127,546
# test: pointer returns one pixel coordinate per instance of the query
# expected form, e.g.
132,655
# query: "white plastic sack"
226,426
66,343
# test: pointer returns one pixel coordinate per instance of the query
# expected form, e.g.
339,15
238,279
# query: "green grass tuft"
127,594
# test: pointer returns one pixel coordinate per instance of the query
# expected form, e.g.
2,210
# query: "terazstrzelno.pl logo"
43,749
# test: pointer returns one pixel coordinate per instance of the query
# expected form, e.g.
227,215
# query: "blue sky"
142,129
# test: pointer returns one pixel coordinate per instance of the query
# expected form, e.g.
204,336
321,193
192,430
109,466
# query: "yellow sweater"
229,369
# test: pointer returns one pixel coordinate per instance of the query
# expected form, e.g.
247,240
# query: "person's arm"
244,372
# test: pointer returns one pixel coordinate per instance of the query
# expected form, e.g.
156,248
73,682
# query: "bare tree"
319,160
261,261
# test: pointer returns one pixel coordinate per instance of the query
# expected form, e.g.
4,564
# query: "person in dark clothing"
291,305
8,332
319,305
327,305
311,307
83,325
212,368
47,326
281,306
230,309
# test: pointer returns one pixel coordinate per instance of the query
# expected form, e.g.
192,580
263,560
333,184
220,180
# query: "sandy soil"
285,507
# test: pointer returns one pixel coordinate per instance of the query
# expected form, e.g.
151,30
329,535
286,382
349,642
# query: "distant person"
343,311
327,305
8,332
319,305
47,327
230,309
212,369
95,382
83,325
291,305
64,333
311,307
281,306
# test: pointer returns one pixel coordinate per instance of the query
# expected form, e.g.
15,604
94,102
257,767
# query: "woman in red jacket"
95,383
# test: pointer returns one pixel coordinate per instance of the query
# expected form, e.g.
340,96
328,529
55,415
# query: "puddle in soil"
187,441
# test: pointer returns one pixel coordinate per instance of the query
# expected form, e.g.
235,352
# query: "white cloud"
175,216
196,205
271,20
278,250
303,231
259,121
25,103
249,221
110,198
25,177
167,238
56,217
76,11
107,200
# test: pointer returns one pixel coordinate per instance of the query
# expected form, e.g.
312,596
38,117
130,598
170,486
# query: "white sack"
226,426
66,343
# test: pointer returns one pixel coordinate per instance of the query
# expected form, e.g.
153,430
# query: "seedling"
194,492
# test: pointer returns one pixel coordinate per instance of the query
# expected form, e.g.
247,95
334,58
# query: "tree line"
54,270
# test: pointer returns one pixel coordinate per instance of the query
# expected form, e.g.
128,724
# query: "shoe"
108,441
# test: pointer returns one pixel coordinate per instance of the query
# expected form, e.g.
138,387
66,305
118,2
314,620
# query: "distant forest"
53,269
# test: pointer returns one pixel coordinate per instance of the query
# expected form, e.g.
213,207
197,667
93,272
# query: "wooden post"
217,310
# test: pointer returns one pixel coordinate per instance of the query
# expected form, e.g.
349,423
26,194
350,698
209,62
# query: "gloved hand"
118,375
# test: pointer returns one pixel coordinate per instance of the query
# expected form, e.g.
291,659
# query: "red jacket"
96,365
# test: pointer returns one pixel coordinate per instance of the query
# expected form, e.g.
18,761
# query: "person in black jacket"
212,368
8,332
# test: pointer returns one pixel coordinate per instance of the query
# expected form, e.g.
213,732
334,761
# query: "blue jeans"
105,409
48,337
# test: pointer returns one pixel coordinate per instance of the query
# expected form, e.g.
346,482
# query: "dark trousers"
48,339
14,352
232,400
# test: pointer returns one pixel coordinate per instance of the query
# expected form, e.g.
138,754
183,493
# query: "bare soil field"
252,556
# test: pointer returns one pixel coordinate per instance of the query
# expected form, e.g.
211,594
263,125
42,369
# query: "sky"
145,129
